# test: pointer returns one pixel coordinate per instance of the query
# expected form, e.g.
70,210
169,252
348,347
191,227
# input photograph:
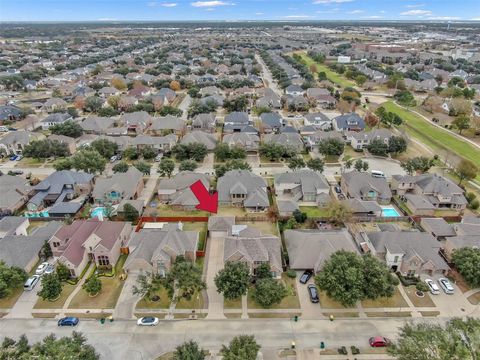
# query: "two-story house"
364,186
112,190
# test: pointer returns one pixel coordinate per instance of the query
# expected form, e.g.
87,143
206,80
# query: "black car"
306,276
312,291
338,190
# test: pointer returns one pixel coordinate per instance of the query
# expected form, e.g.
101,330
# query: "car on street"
307,274
378,341
68,321
147,321
31,282
446,286
13,157
432,286
313,292
41,268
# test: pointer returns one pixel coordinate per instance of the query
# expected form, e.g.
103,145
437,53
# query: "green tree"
360,80
224,152
166,167
397,144
461,122
195,151
42,149
269,292
235,164
243,347
93,103
105,147
131,153
296,163
187,165
63,272
377,279
143,167
237,104
148,152
232,281
130,213
93,285
185,277
147,285
10,278
188,351
87,160
68,128
338,213
331,147
316,164
300,217
121,167
51,287
466,260
107,111
263,271
405,98
466,170
360,165
46,251
417,164
377,147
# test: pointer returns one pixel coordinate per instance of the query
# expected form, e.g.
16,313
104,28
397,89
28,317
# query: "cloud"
443,18
168,5
411,6
297,17
258,13
331,1
106,19
356,12
475,19
416,13
373,17
209,4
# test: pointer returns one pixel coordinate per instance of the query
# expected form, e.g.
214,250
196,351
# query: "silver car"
446,286
432,285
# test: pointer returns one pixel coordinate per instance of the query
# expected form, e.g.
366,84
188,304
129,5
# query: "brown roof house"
90,240
118,187
156,249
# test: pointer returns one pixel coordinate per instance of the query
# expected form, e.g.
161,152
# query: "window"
56,244
395,259
103,260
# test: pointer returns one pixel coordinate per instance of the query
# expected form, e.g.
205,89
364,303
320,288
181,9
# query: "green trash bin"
102,321
322,345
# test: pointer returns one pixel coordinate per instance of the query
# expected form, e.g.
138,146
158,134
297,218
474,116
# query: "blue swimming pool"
390,212
37,214
98,211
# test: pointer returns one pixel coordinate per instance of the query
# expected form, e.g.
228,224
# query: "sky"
280,10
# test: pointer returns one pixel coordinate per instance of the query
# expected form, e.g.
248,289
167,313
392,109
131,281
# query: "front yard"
162,303
395,301
106,299
10,300
57,304
290,301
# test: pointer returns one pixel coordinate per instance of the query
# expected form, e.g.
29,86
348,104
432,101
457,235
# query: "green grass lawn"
424,301
167,210
394,301
432,136
163,303
267,228
288,302
10,300
57,304
331,75
107,299
232,304
230,211
314,211
327,302
196,302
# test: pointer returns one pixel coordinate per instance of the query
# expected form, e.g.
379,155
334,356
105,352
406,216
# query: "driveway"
309,309
214,262
150,186
127,301
25,303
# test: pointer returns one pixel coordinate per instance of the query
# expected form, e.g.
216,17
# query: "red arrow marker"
207,202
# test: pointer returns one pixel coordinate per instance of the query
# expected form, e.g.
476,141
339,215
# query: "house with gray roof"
200,137
271,122
236,121
14,142
55,119
319,120
220,225
438,227
290,139
249,142
348,122
136,122
312,140
13,225
204,122
360,140
360,207
10,113
159,143
176,190
309,249
96,124
364,186
15,193
112,190
302,185
155,250
410,252
434,189
243,188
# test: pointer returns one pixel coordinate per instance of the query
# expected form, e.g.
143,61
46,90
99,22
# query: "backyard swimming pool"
37,214
390,212
98,211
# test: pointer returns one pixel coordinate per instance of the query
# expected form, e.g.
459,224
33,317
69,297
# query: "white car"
158,157
446,286
113,158
41,268
432,285
49,270
147,321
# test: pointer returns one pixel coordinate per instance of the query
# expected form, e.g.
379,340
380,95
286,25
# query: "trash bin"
322,345
102,321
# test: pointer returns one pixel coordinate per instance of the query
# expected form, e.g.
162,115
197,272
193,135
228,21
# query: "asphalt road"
125,340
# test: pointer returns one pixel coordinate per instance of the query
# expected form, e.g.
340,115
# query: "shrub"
355,350
291,274
422,286
475,204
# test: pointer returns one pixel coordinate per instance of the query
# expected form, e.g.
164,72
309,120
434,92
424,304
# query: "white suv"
432,285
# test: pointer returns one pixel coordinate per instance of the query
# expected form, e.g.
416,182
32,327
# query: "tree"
185,277
417,164
263,271
300,217
148,152
268,292
130,153
338,213
105,147
188,351
275,151
331,147
147,285
118,83
143,167
68,128
458,339
187,165
63,272
466,170
232,281
378,281
195,151
130,213
371,119
121,167
316,164
360,165
224,152
405,98
175,85
51,287
107,112
235,164
166,167
237,104
42,149
296,163
88,160
93,103
397,144
377,147
11,277
46,251
466,260
360,80
74,347
93,285
461,122
243,347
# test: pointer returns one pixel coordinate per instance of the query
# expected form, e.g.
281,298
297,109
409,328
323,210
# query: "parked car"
338,189
113,158
31,282
446,286
19,157
313,292
432,285
307,274
15,172
41,268
147,321
158,157
13,157
68,321
379,341
49,270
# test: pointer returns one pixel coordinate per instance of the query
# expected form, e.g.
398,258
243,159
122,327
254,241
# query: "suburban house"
201,137
159,143
312,140
248,245
77,244
319,120
360,207
54,104
364,186
271,122
436,191
294,90
220,226
235,121
309,249
59,189
204,122
17,248
15,141
438,227
13,225
15,191
409,252
359,140
136,122
96,124
293,140
302,186
10,113
348,122
176,190
155,250
242,188
69,142
167,124
249,142
55,119
118,187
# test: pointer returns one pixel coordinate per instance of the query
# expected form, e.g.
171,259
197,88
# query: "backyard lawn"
201,227
57,304
167,210
314,211
267,228
395,301
230,211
